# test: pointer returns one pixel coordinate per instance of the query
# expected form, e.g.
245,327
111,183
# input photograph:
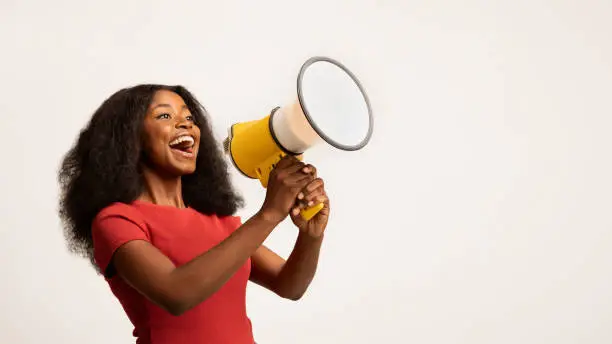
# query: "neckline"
162,206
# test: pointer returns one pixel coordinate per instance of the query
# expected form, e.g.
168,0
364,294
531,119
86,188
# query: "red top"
181,234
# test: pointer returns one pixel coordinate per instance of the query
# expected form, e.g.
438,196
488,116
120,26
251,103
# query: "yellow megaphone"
331,106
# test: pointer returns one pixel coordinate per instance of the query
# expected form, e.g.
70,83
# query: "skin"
291,187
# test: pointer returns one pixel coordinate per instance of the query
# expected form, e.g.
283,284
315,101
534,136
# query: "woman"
147,197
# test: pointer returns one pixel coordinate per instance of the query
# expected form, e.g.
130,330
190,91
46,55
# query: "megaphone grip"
309,213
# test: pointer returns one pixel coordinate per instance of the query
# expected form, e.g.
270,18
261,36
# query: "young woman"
146,196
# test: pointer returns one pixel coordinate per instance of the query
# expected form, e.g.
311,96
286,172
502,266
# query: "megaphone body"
330,106
257,146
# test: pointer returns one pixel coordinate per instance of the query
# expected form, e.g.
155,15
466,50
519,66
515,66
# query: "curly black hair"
103,166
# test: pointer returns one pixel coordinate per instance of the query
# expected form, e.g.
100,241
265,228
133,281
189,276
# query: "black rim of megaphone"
312,122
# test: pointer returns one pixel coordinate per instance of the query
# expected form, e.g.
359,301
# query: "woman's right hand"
285,182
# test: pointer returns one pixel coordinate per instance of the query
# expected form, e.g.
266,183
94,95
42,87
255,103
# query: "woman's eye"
163,116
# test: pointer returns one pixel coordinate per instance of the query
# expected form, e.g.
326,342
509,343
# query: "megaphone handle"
310,212
263,173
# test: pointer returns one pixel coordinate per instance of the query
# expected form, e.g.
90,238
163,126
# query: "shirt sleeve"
112,228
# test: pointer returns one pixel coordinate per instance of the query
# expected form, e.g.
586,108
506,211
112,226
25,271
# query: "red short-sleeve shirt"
181,234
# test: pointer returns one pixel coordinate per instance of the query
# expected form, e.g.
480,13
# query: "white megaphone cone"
292,130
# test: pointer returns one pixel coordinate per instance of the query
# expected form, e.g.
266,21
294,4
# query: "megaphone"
331,106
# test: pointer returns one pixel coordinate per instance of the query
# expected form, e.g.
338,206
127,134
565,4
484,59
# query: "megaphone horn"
331,106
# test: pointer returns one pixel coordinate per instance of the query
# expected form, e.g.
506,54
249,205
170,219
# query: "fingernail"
300,195
310,203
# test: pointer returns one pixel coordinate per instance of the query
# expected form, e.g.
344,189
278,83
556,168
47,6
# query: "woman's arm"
288,279
178,289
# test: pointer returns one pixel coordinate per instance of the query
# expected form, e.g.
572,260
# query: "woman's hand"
286,180
312,194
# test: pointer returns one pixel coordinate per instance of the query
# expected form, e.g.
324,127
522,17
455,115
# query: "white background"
479,213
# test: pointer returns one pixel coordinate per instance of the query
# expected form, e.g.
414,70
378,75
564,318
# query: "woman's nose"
183,123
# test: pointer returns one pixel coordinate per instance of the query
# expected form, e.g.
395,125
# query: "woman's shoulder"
142,213
120,209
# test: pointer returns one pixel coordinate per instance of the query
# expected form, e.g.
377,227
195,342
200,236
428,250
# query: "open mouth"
183,145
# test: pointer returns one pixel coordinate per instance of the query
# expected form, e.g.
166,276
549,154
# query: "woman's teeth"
182,139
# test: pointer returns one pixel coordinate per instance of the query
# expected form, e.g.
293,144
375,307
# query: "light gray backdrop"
480,213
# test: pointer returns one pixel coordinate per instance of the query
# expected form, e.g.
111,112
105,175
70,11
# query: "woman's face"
171,137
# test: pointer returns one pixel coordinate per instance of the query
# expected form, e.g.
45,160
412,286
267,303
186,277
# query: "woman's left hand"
312,194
